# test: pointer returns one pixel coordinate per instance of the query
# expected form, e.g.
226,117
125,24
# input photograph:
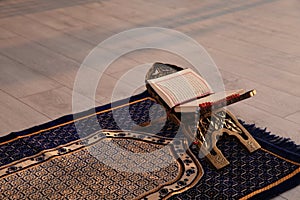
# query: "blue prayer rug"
54,161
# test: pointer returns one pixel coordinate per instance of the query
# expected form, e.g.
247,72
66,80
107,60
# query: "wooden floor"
255,44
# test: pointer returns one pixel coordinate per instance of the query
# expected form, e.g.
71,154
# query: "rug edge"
281,146
69,117
278,189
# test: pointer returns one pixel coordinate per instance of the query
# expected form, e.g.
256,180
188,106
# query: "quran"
187,91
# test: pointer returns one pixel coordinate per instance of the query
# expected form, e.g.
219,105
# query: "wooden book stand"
208,127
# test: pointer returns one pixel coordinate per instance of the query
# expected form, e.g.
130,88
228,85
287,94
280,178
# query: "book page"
182,86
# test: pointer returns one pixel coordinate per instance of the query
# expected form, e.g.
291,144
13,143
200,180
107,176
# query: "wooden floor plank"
288,47
40,59
267,99
26,116
257,72
98,18
146,15
254,53
19,80
295,117
54,103
57,41
292,194
58,20
63,21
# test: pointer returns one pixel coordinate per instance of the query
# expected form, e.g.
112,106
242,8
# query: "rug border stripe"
68,119
272,185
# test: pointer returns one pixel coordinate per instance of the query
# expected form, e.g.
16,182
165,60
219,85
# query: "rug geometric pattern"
44,160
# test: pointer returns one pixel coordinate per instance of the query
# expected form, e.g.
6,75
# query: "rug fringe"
278,141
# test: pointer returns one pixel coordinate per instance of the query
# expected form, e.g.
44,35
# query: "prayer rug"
76,158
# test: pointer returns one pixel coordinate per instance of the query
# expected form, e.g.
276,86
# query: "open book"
186,91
